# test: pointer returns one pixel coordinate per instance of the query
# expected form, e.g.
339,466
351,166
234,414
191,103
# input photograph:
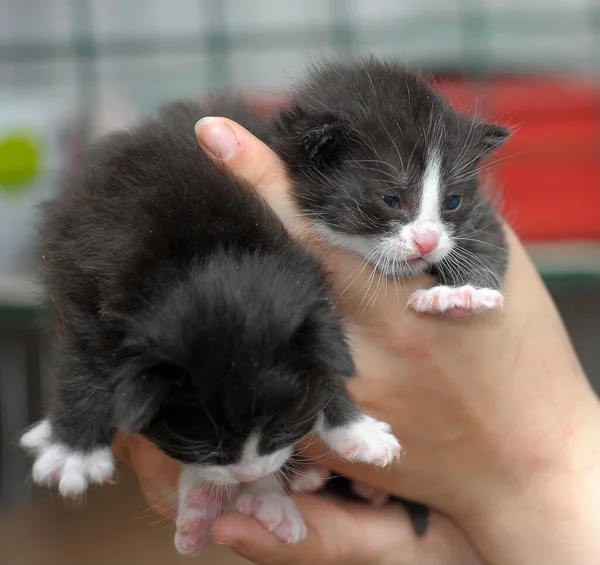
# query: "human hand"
494,411
496,415
339,532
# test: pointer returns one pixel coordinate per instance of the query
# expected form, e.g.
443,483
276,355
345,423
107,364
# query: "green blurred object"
20,160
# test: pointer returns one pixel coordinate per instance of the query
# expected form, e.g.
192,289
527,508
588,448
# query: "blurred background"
74,69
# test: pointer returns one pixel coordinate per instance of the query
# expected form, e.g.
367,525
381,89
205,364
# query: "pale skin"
500,426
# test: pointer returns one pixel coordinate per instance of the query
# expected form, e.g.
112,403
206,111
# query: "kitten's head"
234,366
382,163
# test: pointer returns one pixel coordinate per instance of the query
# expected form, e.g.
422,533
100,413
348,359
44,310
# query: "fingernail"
216,137
232,544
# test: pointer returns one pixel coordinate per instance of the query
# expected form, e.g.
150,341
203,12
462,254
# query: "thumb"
234,149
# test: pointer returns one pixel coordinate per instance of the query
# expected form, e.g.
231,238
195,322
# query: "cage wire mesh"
151,50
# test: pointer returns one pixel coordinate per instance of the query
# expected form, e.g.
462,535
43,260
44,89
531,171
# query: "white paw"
276,512
367,440
56,464
38,437
200,504
461,300
372,495
306,478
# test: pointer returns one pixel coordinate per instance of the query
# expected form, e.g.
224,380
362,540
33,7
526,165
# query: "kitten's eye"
390,201
452,202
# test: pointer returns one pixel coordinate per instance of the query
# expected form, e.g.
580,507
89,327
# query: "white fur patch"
361,244
366,439
429,211
253,466
56,464
463,300
249,468
37,437
428,225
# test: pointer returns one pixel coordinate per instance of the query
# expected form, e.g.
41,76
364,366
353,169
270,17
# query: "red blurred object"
549,170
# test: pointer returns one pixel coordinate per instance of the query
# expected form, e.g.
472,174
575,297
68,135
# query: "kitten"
183,310
387,169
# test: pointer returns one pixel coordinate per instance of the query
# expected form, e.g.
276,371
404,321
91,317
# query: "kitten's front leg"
72,446
470,276
71,462
200,503
266,500
355,436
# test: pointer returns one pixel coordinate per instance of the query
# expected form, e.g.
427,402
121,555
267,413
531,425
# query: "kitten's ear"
308,140
141,385
491,136
323,344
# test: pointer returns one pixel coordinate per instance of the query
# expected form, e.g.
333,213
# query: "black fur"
354,132
181,307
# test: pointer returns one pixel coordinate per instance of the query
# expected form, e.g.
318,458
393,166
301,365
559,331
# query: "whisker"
482,242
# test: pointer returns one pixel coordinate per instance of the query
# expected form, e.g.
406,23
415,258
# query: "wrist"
554,519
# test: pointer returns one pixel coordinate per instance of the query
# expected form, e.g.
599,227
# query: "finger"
338,532
445,544
233,148
157,474
120,448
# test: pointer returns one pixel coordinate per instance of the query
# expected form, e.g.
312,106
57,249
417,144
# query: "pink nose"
426,242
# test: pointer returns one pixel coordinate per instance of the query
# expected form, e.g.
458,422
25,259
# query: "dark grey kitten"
388,169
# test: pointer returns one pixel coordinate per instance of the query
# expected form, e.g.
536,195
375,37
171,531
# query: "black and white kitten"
386,168
183,310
